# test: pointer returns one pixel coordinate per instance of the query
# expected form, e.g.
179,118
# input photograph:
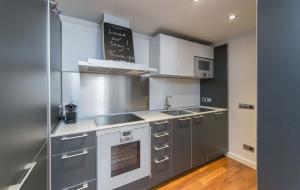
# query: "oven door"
123,156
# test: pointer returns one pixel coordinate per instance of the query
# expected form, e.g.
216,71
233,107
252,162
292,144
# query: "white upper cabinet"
175,57
186,58
164,54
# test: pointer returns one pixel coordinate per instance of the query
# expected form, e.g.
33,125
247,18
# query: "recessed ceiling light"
232,17
196,1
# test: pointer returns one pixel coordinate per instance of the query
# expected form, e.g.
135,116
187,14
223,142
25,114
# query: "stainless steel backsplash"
105,94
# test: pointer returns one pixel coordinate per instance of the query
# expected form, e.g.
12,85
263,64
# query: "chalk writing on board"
118,43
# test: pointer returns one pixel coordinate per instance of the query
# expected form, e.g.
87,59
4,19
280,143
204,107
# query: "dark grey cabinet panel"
199,125
37,180
217,88
161,146
55,68
73,142
73,168
23,84
160,126
181,145
278,121
216,134
160,171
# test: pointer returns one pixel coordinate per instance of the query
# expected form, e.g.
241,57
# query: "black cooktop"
116,119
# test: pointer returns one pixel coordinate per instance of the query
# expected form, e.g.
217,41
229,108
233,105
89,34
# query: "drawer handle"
158,135
184,119
162,160
65,156
163,122
75,137
28,167
161,148
84,186
219,113
197,117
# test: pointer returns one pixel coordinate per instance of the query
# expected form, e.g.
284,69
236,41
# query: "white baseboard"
242,160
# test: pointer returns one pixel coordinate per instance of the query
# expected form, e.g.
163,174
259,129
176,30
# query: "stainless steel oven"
122,155
203,68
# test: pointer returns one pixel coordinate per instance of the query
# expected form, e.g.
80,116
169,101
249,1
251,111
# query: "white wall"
184,92
81,40
242,89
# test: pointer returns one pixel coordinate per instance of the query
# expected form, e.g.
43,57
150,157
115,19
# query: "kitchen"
124,95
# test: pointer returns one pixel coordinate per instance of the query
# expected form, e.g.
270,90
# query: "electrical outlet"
249,148
205,99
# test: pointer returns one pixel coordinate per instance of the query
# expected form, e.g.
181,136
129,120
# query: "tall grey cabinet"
181,145
278,121
23,94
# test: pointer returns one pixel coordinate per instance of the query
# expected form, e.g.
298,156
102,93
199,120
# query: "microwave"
204,67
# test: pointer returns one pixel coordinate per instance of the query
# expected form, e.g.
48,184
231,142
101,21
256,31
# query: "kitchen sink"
199,110
175,112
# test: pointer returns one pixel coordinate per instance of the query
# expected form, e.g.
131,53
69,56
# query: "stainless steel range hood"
113,67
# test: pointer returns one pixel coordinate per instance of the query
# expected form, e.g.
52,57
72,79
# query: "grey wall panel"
278,94
105,94
23,84
56,67
217,88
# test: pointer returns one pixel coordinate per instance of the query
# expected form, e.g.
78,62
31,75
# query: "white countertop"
89,124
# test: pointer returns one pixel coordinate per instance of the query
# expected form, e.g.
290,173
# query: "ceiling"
205,20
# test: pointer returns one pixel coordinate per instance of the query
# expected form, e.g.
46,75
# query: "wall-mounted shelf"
113,67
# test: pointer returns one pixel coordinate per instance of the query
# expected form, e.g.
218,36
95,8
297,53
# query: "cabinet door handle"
83,186
28,167
162,160
66,156
197,117
163,122
74,137
184,119
158,135
219,113
161,148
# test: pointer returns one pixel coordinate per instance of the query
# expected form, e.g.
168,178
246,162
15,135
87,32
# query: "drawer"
198,119
161,138
74,142
73,168
90,185
160,170
159,151
160,126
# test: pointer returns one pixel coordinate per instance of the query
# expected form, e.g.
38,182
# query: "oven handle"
161,148
158,135
75,137
162,160
66,156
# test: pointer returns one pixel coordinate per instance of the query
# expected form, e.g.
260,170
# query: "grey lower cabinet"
73,162
199,125
216,135
161,145
181,145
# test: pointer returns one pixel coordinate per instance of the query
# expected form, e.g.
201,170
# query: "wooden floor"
223,174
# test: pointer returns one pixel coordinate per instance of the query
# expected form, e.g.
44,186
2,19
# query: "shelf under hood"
113,67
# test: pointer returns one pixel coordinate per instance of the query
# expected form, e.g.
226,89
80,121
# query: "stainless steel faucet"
167,103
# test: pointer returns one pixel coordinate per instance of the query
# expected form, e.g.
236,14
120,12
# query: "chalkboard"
118,43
